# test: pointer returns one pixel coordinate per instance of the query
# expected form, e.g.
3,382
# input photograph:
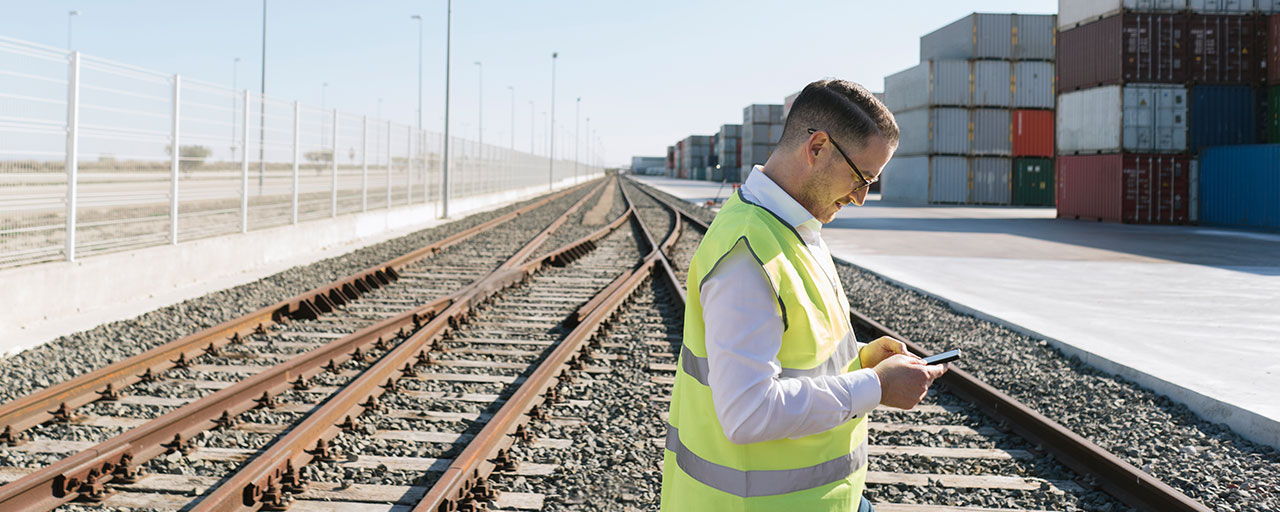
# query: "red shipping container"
1130,47
1129,188
1032,133
1273,50
1224,49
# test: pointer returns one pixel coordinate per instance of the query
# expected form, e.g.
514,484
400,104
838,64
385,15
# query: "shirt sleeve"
743,335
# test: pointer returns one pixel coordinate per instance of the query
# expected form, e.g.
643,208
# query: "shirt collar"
762,190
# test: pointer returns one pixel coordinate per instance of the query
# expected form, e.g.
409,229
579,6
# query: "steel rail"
85,474
263,481
46,404
464,480
1122,480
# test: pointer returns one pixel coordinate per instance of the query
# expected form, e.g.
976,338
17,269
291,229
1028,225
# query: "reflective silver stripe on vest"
845,353
756,483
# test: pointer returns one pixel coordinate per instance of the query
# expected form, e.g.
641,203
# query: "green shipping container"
1271,116
1033,182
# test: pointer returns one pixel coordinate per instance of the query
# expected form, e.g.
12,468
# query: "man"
772,389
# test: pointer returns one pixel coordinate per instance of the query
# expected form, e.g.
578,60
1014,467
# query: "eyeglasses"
865,182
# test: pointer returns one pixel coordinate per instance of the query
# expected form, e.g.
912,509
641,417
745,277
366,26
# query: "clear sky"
648,72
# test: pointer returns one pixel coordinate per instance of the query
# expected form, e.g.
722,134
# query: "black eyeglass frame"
858,172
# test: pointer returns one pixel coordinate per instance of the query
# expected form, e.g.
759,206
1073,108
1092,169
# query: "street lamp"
577,113
448,55
70,15
513,116
551,151
419,18
480,95
262,106
531,130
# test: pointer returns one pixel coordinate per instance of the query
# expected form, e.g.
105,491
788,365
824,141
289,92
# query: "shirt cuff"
863,387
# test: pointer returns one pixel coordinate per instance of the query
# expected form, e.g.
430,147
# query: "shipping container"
936,82
1032,133
1033,84
1111,119
906,179
976,36
756,133
1132,47
933,131
990,180
949,181
755,154
1222,6
1034,37
731,131
1268,6
1222,115
1073,13
1033,183
1271,118
1273,48
991,136
991,83
1130,188
1224,49
1240,186
762,114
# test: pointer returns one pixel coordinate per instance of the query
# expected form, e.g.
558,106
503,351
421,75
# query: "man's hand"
905,379
880,349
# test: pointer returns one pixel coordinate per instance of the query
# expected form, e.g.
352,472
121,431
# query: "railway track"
543,384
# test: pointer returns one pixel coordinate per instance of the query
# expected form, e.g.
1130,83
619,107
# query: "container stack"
761,130
1144,88
695,154
976,115
671,161
727,153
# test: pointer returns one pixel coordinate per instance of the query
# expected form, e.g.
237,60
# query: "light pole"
419,18
513,116
480,95
551,150
235,69
588,142
324,120
70,15
262,106
448,55
577,114
531,151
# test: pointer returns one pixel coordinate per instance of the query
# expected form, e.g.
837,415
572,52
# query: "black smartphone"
945,357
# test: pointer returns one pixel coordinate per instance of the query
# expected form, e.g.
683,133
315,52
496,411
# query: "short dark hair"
844,109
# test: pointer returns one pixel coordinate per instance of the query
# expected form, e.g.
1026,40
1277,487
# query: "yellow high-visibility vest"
702,469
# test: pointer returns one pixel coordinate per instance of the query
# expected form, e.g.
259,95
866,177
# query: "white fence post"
297,116
364,165
244,168
73,150
333,159
175,160
388,165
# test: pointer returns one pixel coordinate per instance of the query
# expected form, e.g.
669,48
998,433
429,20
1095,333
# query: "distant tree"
319,158
190,157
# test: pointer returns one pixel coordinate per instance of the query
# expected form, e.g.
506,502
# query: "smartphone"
945,357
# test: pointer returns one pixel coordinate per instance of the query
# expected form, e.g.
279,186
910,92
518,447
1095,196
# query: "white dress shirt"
744,333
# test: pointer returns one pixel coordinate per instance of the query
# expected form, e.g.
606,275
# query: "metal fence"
88,165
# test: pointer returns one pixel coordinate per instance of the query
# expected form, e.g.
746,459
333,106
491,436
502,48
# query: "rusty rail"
1127,483
86,474
42,405
261,482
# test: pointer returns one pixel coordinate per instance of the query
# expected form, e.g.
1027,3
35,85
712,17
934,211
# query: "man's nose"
860,196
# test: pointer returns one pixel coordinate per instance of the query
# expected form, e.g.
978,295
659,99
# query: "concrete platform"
1197,309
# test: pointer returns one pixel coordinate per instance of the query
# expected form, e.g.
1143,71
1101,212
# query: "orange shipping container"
1032,133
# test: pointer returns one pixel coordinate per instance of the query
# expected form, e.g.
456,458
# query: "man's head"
835,130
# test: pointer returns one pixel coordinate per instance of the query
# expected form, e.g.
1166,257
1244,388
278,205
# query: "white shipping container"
1073,13
1111,119
976,36
1223,6
930,83
991,180
1035,37
906,179
933,131
991,79
1032,84
755,133
1265,7
949,180
762,114
991,131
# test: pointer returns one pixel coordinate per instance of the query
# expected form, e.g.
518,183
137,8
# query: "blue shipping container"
1222,115
1240,186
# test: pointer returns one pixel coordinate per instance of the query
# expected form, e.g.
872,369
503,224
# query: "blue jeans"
865,506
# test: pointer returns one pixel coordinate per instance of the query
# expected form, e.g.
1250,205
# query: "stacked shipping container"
728,153
976,115
761,130
1144,86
